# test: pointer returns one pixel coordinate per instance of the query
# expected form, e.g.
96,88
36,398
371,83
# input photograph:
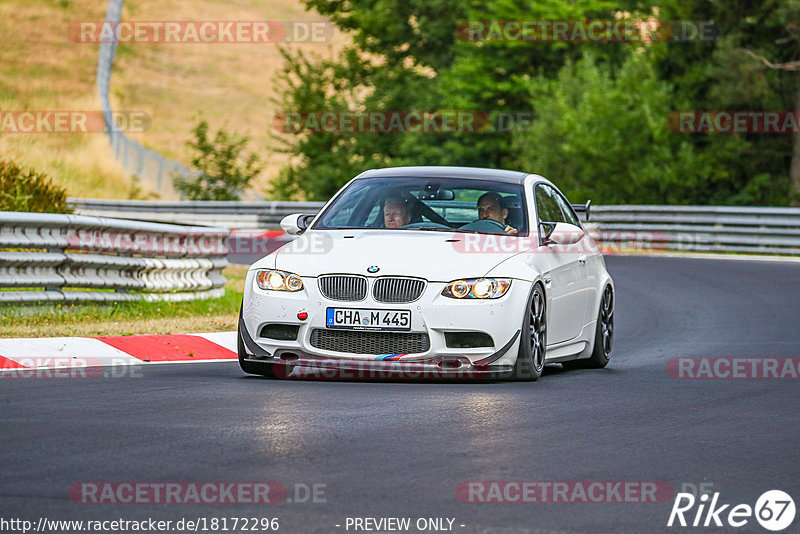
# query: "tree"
603,135
322,162
225,171
406,56
722,74
789,66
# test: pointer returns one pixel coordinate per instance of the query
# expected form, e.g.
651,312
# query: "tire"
533,341
603,336
252,368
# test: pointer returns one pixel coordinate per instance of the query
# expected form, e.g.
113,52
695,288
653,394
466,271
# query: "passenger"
396,213
490,206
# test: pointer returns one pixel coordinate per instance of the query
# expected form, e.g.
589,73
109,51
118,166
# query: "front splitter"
439,368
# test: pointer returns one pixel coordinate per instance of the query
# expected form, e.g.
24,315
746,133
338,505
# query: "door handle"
582,259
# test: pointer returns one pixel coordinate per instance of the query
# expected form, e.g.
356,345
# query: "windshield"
433,204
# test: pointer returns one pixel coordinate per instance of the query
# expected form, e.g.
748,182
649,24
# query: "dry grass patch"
230,85
42,69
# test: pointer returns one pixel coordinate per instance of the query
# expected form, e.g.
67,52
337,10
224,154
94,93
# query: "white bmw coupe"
431,272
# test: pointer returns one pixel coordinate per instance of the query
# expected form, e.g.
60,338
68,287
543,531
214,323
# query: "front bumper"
287,363
432,314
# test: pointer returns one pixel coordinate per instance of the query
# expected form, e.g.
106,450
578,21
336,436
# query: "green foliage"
407,58
600,108
423,30
605,137
324,161
225,169
31,191
721,75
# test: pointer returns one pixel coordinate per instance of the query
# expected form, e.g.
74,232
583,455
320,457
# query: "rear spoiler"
583,208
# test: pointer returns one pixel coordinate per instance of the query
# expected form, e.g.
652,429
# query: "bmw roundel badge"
373,269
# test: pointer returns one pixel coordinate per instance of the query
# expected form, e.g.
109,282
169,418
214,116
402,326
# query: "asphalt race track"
402,449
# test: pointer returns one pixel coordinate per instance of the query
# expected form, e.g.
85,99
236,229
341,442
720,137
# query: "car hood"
435,256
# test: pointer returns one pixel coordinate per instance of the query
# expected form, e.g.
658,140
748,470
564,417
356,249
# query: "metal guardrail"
50,257
227,214
755,230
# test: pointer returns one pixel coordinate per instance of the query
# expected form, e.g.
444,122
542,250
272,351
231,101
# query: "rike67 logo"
774,510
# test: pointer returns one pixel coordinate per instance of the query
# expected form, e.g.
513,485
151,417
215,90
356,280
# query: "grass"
229,85
40,69
127,318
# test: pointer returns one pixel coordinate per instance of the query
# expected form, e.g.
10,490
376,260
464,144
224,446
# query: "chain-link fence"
146,164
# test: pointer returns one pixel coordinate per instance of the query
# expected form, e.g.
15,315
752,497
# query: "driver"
395,213
490,206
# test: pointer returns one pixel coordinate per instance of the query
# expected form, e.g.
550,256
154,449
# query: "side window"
547,206
566,209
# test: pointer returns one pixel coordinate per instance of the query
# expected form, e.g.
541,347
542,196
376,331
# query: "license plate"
366,319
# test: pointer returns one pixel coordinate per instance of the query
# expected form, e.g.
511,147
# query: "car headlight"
278,281
477,288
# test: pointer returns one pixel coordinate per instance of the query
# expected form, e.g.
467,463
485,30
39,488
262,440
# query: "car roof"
433,171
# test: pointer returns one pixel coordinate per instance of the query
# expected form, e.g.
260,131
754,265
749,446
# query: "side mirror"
563,234
583,208
296,223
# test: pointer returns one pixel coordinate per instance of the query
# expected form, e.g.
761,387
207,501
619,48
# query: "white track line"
224,339
66,352
61,351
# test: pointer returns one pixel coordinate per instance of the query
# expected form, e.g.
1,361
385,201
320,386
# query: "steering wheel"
489,226
498,224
